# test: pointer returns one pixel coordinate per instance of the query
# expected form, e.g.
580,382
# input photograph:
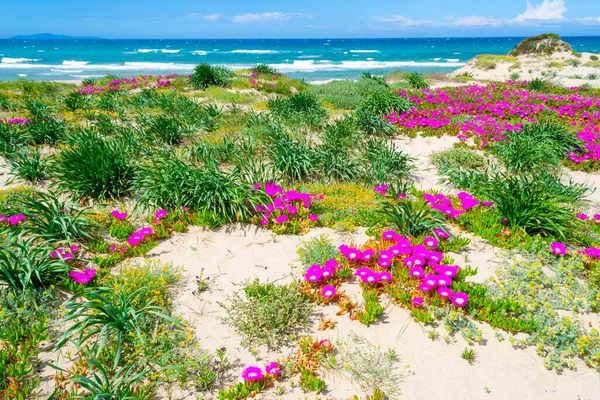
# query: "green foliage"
28,165
11,137
264,69
25,264
107,317
310,382
166,129
382,103
268,314
206,75
293,160
95,167
384,163
539,146
410,218
317,250
458,157
536,84
346,94
417,81
167,182
46,131
470,355
74,101
302,109
51,219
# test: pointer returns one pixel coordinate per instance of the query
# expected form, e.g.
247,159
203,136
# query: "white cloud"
206,17
398,21
265,17
546,10
474,20
588,20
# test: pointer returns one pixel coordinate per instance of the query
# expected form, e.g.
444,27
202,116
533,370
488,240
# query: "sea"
310,59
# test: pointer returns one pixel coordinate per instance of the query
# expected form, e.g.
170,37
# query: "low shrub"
206,75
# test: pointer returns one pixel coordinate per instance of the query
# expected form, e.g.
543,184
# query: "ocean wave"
129,52
254,51
67,71
310,56
158,51
437,59
87,76
22,75
364,51
128,66
452,59
9,60
310,66
200,52
73,63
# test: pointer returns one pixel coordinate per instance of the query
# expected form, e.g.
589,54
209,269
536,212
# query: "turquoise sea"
312,59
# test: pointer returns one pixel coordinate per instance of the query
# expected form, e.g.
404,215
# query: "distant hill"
50,36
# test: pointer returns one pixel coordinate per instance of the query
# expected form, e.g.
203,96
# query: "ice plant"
273,369
161,214
313,217
252,374
83,277
281,219
328,291
381,189
119,215
558,248
460,299
417,301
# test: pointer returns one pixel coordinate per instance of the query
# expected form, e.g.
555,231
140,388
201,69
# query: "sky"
232,19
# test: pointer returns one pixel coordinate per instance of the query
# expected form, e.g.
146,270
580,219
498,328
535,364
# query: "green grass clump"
28,165
417,81
457,157
264,69
346,95
382,103
206,75
170,183
268,314
302,109
317,250
539,146
411,218
95,167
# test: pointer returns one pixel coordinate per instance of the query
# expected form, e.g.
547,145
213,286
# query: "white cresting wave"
158,51
254,51
9,60
364,51
295,66
200,52
73,63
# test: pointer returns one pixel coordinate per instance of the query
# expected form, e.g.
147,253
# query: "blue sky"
298,19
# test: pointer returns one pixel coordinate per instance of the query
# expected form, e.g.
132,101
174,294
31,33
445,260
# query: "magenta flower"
328,291
366,255
281,219
444,292
313,274
313,217
558,248
273,369
442,234
252,374
582,216
113,248
272,189
161,214
385,276
424,287
389,235
333,264
431,242
596,217
460,299
382,189
15,219
416,272
3,219
417,301
75,249
592,252
83,277
370,277
119,215
401,196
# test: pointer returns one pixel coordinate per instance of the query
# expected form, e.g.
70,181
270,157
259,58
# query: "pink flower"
273,369
366,255
252,373
15,219
444,292
75,249
83,277
328,291
430,242
3,219
416,272
582,216
313,217
417,301
460,299
113,248
119,215
161,214
401,196
382,189
558,248
146,231
281,219
272,189
313,274
385,276
596,217
442,234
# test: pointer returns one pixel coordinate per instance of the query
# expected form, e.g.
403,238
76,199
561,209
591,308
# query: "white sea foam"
169,51
452,59
437,59
200,52
68,71
310,66
255,51
130,52
22,75
310,56
73,63
147,50
364,51
370,58
9,60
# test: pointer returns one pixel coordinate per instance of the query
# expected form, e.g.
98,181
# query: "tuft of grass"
347,94
206,75
408,218
268,314
28,165
417,81
301,109
95,167
382,103
458,157
470,355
